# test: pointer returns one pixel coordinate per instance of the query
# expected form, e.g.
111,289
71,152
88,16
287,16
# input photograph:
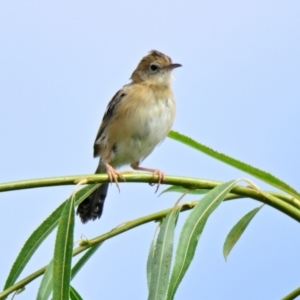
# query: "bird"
137,119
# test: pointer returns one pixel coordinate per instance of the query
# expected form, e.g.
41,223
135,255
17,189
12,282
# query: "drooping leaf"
45,288
182,190
150,259
161,262
191,232
237,230
81,262
39,235
63,251
74,295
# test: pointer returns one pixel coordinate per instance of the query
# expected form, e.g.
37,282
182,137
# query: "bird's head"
154,68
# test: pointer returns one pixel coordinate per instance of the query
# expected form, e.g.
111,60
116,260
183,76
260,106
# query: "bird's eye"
153,67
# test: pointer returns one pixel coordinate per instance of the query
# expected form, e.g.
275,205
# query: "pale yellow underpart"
142,120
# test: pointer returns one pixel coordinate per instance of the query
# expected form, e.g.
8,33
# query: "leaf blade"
63,251
192,230
45,287
256,172
183,190
74,295
150,260
162,259
39,235
83,260
237,230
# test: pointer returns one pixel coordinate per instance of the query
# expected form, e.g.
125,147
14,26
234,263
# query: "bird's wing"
108,115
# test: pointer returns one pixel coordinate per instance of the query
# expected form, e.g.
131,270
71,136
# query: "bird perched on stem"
137,118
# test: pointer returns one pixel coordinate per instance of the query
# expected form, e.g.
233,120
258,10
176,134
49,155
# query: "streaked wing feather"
110,111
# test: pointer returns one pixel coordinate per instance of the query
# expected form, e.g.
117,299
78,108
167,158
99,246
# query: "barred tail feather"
91,208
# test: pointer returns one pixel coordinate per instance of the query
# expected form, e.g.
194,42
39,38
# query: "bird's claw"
113,175
161,178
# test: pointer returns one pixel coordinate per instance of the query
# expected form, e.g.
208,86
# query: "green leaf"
161,263
74,294
19,291
63,251
46,284
192,230
45,288
81,262
39,235
260,174
237,230
182,190
150,259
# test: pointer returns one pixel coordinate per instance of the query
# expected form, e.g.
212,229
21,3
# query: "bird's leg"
155,172
113,174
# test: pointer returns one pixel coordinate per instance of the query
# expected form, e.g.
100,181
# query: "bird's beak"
173,66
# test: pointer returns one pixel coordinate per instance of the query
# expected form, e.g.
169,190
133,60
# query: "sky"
237,92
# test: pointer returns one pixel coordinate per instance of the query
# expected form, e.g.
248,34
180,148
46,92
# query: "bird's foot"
161,178
155,172
113,175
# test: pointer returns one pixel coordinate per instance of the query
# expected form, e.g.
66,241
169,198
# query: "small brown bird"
136,120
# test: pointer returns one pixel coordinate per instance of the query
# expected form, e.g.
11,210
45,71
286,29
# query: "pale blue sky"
237,92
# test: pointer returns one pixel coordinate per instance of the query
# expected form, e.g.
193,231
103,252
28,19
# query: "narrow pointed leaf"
21,290
182,190
81,262
163,257
63,252
258,173
45,288
237,231
191,232
39,235
150,260
74,295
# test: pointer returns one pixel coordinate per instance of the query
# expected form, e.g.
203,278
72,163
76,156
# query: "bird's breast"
154,120
145,125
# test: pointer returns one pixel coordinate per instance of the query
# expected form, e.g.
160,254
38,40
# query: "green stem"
293,295
286,204
282,202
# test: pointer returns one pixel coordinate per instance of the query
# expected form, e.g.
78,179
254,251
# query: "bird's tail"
91,208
